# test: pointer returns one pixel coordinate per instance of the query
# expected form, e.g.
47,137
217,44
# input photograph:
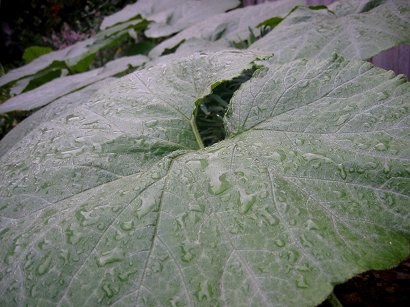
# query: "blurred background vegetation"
49,23
52,24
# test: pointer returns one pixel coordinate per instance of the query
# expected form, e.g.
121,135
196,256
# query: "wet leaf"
100,206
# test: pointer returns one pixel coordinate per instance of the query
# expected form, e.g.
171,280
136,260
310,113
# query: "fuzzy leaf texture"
357,31
112,203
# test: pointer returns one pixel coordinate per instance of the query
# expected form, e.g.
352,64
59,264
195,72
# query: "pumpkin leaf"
113,203
315,34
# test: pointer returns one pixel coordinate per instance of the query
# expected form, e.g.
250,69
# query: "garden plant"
253,157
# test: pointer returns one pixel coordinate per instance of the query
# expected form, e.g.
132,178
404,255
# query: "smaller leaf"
34,52
271,22
62,86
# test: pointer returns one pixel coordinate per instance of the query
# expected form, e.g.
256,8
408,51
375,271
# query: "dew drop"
44,265
187,256
151,123
280,243
204,292
342,171
301,282
127,226
311,225
107,290
246,202
312,156
380,147
269,218
279,155
303,84
146,205
114,255
218,185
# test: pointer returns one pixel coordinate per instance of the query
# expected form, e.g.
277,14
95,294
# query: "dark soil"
388,288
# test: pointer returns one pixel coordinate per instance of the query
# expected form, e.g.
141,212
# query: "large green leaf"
180,17
314,34
228,27
77,57
168,17
70,54
122,130
57,88
310,187
49,112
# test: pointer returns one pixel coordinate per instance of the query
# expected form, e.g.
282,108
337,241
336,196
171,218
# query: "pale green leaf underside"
73,55
57,88
227,27
310,188
165,18
179,17
70,54
143,8
49,112
122,130
314,34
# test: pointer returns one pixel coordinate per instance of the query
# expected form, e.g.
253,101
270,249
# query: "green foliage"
210,175
34,52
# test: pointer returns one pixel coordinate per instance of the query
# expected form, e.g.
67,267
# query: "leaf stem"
333,300
195,130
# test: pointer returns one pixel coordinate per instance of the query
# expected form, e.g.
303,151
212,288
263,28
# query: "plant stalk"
333,300
196,132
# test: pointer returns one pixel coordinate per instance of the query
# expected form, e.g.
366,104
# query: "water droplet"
312,156
114,255
187,255
85,218
311,225
246,202
204,292
303,84
151,123
301,282
342,171
278,155
71,118
107,288
127,226
386,168
147,204
155,175
33,291
299,142
271,219
218,185
181,220
280,243
44,266
380,147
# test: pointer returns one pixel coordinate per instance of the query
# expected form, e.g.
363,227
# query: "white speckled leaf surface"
318,34
310,187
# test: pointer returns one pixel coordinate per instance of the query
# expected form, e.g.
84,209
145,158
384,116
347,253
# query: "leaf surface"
310,187
227,27
49,112
70,54
166,19
122,130
57,88
317,34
